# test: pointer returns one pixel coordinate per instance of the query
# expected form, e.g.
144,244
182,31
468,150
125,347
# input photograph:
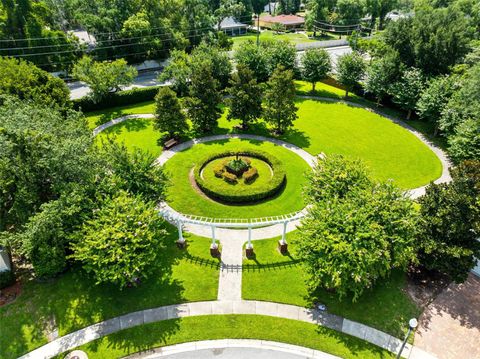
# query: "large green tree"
449,230
245,97
315,66
354,233
280,110
203,102
28,82
350,70
122,241
169,116
104,77
407,90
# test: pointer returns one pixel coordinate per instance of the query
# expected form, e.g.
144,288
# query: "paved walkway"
101,329
233,349
450,326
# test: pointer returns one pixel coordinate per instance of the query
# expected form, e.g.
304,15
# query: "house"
289,22
5,264
232,27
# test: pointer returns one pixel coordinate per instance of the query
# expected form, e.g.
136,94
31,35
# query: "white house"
4,260
232,27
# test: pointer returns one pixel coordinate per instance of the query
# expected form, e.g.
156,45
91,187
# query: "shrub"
218,170
268,190
246,160
237,166
7,278
250,175
120,98
229,177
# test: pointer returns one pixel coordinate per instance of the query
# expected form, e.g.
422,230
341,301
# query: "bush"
268,190
250,175
218,170
7,278
120,98
229,177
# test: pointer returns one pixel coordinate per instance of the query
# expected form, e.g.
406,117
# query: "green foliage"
407,90
250,175
228,8
263,60
103,77
7,278
350,11
245,100
434,98
114,99
350,70
315,65
203,103
28,82
122,241
168,113
432,40
351,240
229,195
217,58
450,223
381,74
177,71
280,110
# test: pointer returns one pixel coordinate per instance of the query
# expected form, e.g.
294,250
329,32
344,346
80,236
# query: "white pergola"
180,219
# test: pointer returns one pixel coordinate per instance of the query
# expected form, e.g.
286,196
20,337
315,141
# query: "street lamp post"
412,324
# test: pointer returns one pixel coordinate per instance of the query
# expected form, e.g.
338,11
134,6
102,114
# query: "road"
230,353
147,79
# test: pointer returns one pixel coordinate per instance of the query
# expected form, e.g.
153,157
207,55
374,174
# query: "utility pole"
258,30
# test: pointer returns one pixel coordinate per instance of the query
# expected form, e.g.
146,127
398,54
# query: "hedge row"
120,98
268,190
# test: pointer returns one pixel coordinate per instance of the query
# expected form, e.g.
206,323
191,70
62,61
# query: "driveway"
450,326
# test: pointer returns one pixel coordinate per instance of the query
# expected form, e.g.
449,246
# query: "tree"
315,66
245,101
254,58
122,242
351,240
178,71
350,70
407,90
228,8
28,82
104,77
280,110
219,62
203,103
279,53
168,113
448,231
434,99
350,11
381,74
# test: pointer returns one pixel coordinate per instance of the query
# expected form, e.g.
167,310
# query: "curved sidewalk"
312,316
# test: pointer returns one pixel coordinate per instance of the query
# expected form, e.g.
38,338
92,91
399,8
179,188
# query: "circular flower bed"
242,176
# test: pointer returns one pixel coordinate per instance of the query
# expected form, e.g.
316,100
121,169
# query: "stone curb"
312,316
232,343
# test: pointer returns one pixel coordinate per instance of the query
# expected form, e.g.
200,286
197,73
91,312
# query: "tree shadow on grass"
73,301
131,125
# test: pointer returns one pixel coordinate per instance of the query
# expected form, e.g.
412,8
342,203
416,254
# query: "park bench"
170,143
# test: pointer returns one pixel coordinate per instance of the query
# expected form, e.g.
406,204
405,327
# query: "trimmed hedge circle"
275,185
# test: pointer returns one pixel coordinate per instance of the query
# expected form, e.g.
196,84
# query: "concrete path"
230,280
101,329
233,349
450,326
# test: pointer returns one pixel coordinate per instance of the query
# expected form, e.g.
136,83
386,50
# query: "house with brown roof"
289,22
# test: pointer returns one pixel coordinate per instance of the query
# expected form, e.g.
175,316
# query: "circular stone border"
275,185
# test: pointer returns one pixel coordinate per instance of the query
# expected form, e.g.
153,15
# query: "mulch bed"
9,294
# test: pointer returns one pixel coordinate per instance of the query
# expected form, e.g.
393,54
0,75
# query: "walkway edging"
232,343
286,311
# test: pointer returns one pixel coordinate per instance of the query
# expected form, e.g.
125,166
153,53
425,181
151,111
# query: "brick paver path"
450,326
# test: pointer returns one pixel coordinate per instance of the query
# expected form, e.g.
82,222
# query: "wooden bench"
170,143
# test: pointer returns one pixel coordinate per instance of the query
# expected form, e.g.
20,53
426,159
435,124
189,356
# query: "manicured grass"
184,198
213,327
97,118
72,301
294,38
390,151
276,278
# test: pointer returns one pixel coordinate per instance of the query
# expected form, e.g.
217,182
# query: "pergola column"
282,243
214,246
249,247
181,240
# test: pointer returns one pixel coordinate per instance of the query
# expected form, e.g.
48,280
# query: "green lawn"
276,278
294,38
184,198
72,301
211,327
389,150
